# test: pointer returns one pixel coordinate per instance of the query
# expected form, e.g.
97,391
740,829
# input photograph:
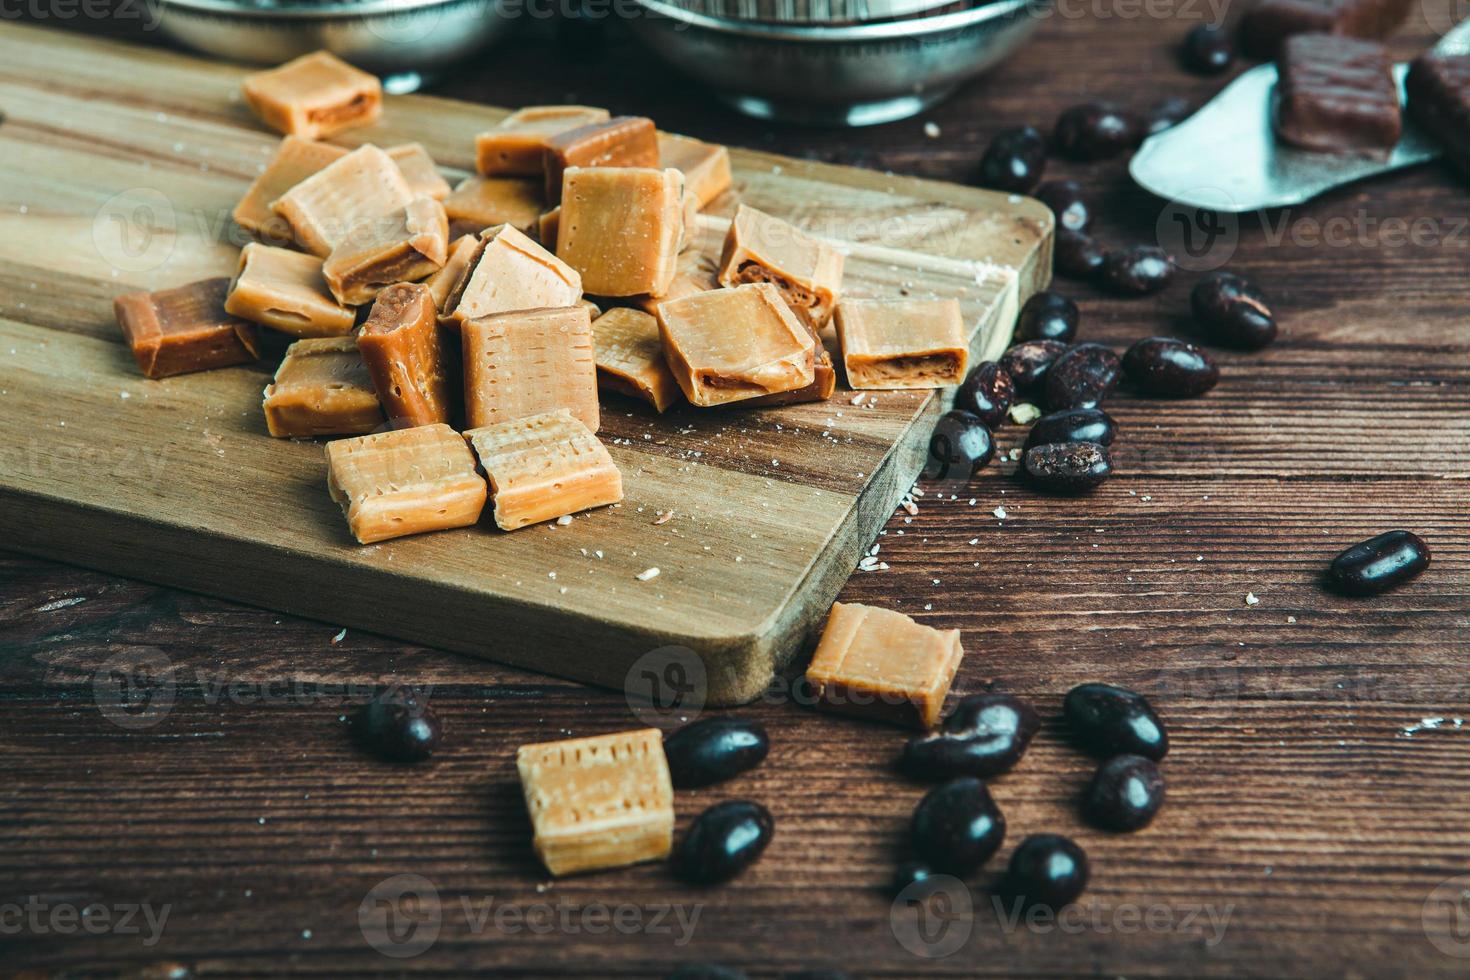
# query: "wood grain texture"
1297,801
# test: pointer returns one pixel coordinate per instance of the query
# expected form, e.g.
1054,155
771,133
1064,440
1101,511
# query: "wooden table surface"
180,764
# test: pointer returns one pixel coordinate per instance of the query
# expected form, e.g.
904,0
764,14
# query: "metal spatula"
1226,157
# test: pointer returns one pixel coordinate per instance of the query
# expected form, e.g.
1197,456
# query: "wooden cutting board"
122,165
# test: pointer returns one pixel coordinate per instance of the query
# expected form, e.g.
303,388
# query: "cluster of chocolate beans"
726,838
957,826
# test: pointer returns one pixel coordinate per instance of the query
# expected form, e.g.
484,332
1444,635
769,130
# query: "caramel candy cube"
705,166
879,664
295,160
441,284
479,202
516,146
694,272
626,141
325,207
322,388
285,290
630,357
405,482
909,343
176,331
546,226
620,227
528,362
728,345
314,96
399,343
511,272
419,169
545,466
410,244
760,248
600,802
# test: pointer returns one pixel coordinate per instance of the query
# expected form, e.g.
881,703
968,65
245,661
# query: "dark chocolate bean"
1139,270
1232,311
1125,793
1077,255
1028,362
1048,870
959,445
957,826
1082,377
986,393
1066,467
1047,316
398,726
913,874
1014,160
723,841
714,749
1379,564
1169,367
1073,425
1107,720
1065,199
1208,49
1166,115
1096,131
986,735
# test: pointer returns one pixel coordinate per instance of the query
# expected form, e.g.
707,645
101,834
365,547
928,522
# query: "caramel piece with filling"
410,244
545,466
322,388
630,357
399,343
405,482
315,96
326,206
906,343
528,362
285,290
295,160
516,147
705,166
728,345
824,383
441,284
879,664
760,248
546,226
176,331
478,203
620,227
600,802
419,169
511,272
694,272
624,141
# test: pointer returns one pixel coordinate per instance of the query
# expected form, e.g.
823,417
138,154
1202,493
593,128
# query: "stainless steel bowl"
406,42
854,75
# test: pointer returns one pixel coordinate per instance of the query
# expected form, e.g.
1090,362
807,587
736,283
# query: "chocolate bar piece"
1269,23
1336,95
1439,100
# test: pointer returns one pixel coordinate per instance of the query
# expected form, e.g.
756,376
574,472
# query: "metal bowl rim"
884,30
317,11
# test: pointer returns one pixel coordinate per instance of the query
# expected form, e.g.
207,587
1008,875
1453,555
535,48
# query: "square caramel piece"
411,243
624,141
630,357
705,166
907,343
760,248
295,160
441,284
329,204
177,331
322,388
546,226
600,802
315,96
824,383
399,343
406,481
284,290
694,272
478,203
516,146
545,466
529,362
621,227
419,169
510,272
728,345
879,664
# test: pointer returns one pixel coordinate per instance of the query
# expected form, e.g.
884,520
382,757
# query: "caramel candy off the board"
419,169
728,345
411,243
322,388
295,160
322,209
907,343
481,202
399,344
625,141
600,802
517,146
285,290
620,228
879,664
1336,95
761,248
528,362
315,95
511,272
630,357
705,166
545,466
407,481
177,331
